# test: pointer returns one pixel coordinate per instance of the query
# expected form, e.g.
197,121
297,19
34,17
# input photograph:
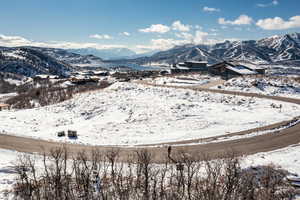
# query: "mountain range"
111,53
276,49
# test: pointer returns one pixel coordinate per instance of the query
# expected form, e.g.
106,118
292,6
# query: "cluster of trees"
47,94
6,87
101,175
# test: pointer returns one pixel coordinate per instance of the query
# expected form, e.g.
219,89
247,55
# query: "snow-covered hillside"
130,113
29,62
273,86
74,59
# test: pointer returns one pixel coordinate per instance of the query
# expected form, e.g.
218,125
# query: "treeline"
97,175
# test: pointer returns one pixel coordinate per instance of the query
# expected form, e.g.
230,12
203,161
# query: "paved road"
251,145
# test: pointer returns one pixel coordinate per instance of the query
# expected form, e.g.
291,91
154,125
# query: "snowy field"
184,80
130,114
286,87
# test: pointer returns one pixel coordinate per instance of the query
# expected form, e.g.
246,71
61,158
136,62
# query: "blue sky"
142,25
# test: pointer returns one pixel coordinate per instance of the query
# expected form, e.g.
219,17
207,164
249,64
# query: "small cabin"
4,106
189,66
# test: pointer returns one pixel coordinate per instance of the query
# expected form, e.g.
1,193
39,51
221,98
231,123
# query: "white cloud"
101,37
125,33
13,41
178,26
156,28
185,38
198,27
273,3
241,20
161,44
278,23
208,9
201,38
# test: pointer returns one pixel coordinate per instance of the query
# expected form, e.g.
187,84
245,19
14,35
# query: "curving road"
250,145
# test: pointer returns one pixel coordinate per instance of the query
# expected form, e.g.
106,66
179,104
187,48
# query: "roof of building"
196,62
240,69
182,67
100,72
248,65
4,105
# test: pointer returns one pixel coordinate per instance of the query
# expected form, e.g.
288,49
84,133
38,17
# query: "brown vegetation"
47,95
92,175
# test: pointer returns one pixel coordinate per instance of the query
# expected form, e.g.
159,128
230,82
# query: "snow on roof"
240,69
42,76
182,67
101,71
251,66
196,62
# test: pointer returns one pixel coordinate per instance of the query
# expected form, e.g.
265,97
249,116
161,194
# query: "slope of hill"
74,59
29,62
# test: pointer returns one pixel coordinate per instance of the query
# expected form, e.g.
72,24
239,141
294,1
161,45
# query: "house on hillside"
83,79
189,66
196,65
45,76
4,106
251,66
230,69
101,73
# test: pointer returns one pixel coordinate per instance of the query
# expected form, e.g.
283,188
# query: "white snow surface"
184,80
7,173
286,158
15,54
275,86
130,114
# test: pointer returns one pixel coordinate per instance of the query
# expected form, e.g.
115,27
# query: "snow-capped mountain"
275,49
29,62
111,53
282,48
